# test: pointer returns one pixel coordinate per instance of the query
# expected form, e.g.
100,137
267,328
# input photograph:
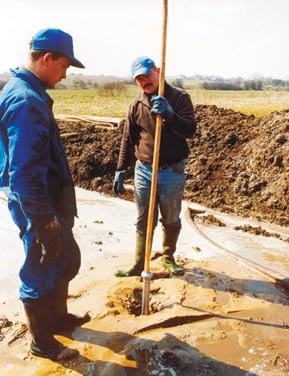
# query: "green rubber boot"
138,266
170,238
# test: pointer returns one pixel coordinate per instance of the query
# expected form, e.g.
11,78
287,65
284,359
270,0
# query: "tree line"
245,85
184,82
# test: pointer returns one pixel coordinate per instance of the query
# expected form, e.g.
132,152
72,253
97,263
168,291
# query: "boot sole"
71,353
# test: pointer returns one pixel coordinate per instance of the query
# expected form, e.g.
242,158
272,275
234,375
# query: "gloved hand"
118,187
161,106
49,237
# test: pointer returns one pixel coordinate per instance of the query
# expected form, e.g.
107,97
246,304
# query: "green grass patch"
101,102
98,102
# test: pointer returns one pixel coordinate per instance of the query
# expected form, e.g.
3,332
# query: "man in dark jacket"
138,138
35,175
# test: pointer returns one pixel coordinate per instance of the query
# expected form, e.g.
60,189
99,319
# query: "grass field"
258,103
93,102
115,102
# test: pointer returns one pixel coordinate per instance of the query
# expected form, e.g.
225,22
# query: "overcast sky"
214,37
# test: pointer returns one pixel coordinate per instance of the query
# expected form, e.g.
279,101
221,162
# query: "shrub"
221,86
113,88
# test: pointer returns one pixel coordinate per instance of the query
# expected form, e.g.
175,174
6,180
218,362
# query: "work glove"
49,237
118,187
161,106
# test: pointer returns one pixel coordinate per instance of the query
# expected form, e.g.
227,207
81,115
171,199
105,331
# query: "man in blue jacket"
35,175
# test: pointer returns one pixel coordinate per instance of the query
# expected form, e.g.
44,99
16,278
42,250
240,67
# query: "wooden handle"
159,123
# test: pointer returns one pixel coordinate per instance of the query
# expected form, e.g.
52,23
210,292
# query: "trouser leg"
142,188
37,279
40,279
142,182
72,255
171,188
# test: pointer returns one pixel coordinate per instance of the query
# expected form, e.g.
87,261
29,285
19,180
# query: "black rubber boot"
138,266
43,344
62,320
170,238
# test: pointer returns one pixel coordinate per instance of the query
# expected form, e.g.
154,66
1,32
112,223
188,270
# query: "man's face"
148,83
55,70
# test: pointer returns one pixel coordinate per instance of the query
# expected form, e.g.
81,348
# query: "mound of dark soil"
92,153
238,163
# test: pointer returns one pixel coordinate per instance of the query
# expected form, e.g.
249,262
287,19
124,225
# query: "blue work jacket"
32,160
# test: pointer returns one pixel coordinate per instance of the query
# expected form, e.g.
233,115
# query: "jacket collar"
33,81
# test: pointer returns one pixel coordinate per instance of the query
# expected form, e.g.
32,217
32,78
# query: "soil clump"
237,163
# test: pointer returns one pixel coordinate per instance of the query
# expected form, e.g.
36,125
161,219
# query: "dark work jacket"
32,160
139,129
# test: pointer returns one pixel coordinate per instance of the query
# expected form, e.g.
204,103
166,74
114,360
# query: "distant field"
258,103
114,103
93,102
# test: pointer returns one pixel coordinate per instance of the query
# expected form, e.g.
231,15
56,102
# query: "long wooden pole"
146,274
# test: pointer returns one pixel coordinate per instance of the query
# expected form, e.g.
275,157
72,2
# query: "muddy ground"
222,317
237,164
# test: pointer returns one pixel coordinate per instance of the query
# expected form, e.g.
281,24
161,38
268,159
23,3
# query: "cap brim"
75,63
141,71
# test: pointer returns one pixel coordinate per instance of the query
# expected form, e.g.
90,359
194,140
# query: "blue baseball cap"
55,40
142,65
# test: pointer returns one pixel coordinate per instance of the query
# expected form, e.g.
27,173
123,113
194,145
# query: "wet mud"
258,230
208,220
215,320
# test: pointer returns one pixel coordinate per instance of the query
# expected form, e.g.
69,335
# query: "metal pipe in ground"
146,276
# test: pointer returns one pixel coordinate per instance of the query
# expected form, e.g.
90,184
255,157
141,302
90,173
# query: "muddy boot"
43,344
170,237
62,320
138,266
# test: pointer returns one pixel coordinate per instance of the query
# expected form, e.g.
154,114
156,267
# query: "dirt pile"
238,163
260,231
92,153
208,220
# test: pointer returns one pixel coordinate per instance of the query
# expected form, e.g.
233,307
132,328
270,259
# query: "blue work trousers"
37,279
170,188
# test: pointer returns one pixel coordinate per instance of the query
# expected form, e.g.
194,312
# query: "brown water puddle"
255,341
